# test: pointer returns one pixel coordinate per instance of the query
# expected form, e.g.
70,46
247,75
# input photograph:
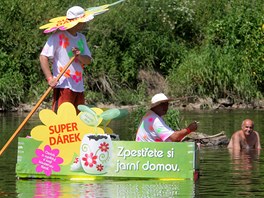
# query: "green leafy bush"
10,89
230,62
173,119
217,53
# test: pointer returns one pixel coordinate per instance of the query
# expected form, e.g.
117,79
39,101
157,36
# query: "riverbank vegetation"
185,48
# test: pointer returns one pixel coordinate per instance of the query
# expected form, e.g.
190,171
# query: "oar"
36,107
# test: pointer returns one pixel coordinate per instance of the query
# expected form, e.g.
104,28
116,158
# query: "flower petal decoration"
62,23
87,109
89,119
47,160
89,115
63,131
110,114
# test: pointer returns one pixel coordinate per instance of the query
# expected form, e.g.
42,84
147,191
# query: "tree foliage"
229,63
204,48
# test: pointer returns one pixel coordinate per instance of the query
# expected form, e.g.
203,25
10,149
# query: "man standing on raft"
60,47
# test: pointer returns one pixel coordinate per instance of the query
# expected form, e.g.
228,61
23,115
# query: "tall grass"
229,61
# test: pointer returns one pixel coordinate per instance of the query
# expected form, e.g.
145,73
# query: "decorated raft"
75,147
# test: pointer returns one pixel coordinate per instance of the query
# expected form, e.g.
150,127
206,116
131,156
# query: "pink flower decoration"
100,167
50,188
158,140
76,160
47,160
50,30
77,77
150,119
89,160
104,147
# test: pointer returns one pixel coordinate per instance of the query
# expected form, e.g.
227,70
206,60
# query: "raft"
65,147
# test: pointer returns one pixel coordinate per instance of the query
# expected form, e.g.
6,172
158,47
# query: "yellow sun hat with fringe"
75,15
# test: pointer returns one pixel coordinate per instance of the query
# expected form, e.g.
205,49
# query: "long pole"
35,108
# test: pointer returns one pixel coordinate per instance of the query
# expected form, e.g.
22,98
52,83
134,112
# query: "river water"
222,174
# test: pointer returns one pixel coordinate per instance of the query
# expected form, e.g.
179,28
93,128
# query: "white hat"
75,15
75,12
158,99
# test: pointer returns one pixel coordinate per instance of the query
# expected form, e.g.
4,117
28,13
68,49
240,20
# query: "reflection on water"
222,173
107,188
244,161
230,174
245,169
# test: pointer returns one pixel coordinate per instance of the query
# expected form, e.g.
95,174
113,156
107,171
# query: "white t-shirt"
59,49
152,128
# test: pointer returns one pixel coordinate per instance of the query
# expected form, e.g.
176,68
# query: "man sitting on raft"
246,138
152,127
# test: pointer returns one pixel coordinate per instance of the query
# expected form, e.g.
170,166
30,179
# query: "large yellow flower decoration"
62,23
64,130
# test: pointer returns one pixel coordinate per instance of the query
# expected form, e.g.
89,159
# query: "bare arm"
84,59
235,142
44,62
257,145
178,135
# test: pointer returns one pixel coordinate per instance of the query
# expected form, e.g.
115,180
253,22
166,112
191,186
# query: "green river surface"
222,174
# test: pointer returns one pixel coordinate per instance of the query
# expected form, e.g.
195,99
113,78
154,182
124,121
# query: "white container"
95,153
